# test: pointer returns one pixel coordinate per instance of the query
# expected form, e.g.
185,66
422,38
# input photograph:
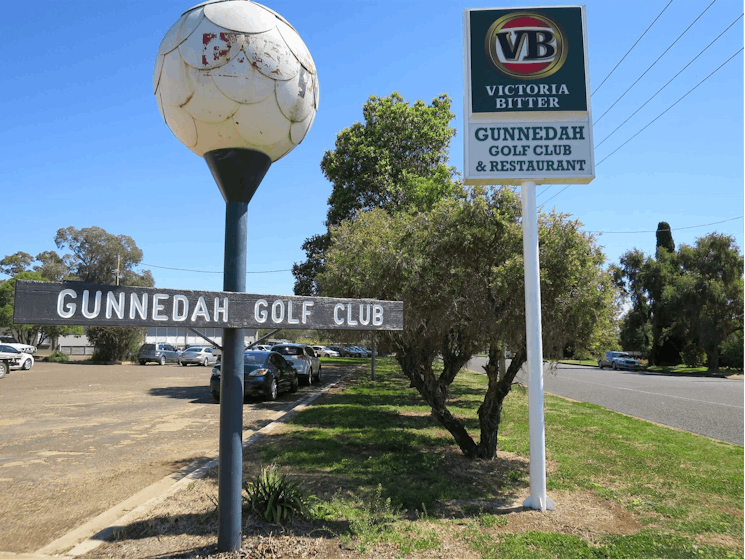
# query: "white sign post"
528,122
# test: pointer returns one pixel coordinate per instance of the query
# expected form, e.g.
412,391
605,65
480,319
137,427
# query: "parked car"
9,356
12,342
265,373
619,360
303,358
22,360
158,353
323,351
198,355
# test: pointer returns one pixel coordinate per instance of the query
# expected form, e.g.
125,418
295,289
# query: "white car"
12,342
323,351
619,360
198,355
20,360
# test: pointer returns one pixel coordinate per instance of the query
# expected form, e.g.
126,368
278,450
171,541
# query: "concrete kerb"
96,531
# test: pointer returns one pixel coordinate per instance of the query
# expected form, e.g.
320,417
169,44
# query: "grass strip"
403,482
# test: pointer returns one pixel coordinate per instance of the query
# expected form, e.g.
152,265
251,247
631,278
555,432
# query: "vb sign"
75,303
527,96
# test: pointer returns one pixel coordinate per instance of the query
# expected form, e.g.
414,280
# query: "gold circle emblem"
526,45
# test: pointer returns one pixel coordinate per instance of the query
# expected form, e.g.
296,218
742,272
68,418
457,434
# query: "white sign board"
527,100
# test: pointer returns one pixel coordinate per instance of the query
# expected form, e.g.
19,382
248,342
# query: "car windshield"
8,349
193,350
148,346
288,350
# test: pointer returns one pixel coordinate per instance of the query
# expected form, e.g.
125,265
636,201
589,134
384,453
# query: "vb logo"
526,45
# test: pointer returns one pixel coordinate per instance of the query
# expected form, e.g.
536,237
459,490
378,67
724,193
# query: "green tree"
459,270
664,237
100,257
707,298
19,265
396,160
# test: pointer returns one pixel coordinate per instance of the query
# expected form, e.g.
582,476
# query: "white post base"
539,503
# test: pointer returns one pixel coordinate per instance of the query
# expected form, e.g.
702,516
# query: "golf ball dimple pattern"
233,73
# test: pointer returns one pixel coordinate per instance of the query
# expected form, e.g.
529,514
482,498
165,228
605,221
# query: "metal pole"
230,469
373,359
538,498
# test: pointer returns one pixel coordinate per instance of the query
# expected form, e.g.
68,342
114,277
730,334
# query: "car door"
315,363
211,359
281,370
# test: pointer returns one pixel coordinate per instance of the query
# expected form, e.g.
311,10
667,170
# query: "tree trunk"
416,363
490,411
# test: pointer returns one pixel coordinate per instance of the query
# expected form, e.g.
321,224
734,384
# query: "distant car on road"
264,373
303,358
158,353
198,355
619,360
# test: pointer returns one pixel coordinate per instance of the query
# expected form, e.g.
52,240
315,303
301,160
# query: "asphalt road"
712,407
77,439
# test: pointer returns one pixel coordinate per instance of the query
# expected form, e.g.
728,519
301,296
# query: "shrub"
693,355
731,353
275,498
57,357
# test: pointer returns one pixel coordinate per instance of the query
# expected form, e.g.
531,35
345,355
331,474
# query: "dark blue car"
265,373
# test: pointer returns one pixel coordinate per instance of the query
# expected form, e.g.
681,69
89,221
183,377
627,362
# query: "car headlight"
258,372
216,371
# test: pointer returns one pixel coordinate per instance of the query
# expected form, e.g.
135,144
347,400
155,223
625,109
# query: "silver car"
619,360
323,351
198,355
303,358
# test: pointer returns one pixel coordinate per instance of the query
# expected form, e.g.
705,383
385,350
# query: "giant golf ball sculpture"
235,74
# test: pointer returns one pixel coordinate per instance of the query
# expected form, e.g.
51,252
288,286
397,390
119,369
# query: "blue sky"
83,143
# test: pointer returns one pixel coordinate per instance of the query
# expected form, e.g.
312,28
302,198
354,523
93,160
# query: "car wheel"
294,385
600,364
26,365
273,391
318,376
183,364
216,396
4,368
142,361
162,360
613,366
204,362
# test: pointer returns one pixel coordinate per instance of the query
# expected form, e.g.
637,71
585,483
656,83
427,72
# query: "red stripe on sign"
530,68
525,22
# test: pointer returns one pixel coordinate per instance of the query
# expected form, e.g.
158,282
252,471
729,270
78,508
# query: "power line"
651,122
632,48
668,83
655,62
670,107
671,229
210,272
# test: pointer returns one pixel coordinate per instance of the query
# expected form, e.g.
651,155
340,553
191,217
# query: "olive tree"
459,270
